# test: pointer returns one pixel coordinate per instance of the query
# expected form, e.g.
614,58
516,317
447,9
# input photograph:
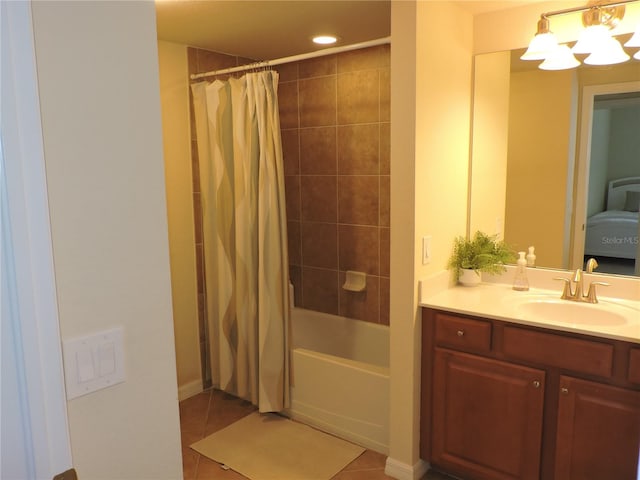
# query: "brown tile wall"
334,118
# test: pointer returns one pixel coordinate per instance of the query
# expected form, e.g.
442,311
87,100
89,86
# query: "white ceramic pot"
469,277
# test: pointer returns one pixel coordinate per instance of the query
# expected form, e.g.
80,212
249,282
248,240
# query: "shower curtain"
244,232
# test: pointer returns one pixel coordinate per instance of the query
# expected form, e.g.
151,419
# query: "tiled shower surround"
335,122
334,116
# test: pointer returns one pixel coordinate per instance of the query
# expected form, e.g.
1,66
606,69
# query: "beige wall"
430,115
404,339
537,171
514,27
100,105
174,92
489,149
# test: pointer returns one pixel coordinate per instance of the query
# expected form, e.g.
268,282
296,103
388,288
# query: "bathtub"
340,377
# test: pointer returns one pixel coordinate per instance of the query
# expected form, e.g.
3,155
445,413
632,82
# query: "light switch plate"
499,227
426,249
93,362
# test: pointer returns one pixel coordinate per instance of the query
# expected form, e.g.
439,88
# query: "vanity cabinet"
487,415
592,419
506,401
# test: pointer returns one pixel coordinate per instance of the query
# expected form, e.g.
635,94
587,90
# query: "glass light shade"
634,41
607,53
560,58
541,45
590,38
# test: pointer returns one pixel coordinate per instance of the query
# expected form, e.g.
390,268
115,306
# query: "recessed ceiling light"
324,39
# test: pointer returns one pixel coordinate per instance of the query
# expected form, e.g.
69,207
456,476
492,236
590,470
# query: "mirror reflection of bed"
612,235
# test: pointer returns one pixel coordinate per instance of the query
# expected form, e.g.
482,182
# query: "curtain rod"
295,58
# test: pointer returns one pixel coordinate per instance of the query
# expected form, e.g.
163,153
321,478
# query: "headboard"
617,191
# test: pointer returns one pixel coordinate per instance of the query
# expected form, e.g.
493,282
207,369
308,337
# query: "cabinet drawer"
634,365
575,354
463,332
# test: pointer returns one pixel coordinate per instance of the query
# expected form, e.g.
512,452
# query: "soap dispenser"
521,283
531,258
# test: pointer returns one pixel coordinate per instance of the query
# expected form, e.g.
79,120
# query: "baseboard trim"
404,471
189,390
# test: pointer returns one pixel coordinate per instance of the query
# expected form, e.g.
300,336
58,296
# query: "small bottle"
521,283
531,258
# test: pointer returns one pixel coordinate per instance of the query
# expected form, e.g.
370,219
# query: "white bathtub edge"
362,366
337,431
403,471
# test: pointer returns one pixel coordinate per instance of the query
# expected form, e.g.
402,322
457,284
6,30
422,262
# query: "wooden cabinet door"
487,417
598,434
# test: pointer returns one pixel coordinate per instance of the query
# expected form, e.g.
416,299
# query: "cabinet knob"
564,390
536,384
461,333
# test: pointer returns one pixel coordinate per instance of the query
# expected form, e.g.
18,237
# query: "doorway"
605,163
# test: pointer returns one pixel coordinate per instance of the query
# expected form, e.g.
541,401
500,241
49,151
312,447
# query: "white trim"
28,210
404,471
189,390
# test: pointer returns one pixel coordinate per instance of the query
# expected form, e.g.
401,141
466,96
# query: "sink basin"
575,313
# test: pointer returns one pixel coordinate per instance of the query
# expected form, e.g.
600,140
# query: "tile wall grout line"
301,293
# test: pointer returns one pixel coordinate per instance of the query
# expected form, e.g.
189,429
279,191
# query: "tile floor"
213,410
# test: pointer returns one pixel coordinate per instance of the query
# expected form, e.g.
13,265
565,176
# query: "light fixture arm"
594,5
598,18
543,25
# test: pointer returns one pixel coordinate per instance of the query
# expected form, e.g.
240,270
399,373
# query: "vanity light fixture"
609,52
634,41
560,58
598,21
590,38
599,17
324,39
542,44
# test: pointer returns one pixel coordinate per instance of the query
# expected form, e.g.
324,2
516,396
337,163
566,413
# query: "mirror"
530,164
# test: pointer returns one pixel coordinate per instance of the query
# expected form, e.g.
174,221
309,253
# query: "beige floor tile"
210,470
371,474
213,410
189,463
433,475
193,413
368,460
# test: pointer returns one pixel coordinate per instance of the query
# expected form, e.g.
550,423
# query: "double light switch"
93,362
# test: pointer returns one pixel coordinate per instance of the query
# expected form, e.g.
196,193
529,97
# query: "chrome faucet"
576,294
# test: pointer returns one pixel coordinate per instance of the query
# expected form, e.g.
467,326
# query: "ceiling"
268,29
264,30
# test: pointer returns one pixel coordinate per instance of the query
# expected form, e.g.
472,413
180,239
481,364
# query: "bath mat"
271,447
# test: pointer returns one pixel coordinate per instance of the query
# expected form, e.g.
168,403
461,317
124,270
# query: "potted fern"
481,253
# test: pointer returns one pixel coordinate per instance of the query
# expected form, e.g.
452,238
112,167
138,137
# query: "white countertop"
500,302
